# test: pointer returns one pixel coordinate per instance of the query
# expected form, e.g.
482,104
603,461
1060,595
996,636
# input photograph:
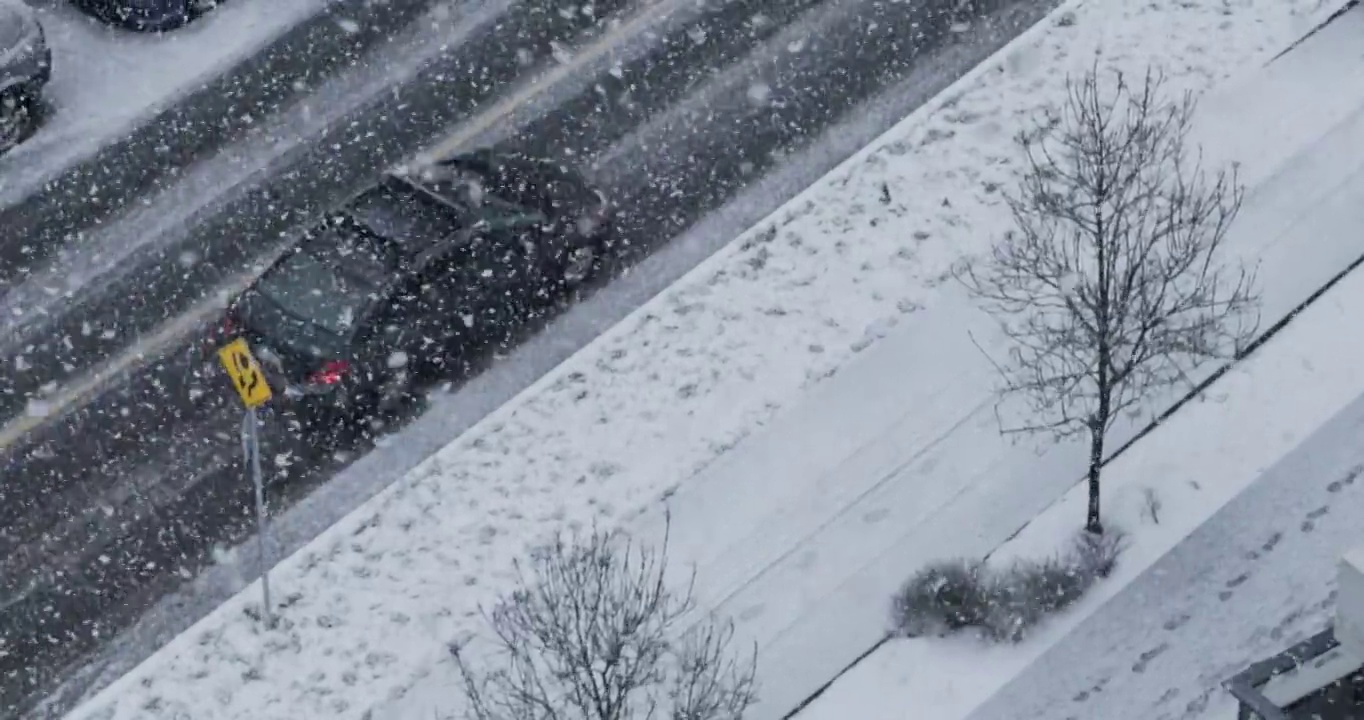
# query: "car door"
456,285
392,332
486,282
438,319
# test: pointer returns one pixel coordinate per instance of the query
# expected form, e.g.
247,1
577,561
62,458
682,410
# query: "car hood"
16,22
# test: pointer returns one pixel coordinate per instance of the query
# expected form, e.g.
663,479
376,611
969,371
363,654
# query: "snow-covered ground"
1193,464
1205,455
1246,584
1254,579
871,477
674,386
105,79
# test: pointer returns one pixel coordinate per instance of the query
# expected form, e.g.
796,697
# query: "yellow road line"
654,12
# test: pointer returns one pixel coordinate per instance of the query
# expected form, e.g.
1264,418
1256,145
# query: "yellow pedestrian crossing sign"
245,372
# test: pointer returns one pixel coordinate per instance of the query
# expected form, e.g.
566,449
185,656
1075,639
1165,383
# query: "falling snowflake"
759,93
36,408
562,54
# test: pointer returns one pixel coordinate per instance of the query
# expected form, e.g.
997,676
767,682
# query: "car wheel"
580,265
17,117
325,417
394,394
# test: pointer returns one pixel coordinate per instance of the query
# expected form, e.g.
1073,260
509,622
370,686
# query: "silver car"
25,66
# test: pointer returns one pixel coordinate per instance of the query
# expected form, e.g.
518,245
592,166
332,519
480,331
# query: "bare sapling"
593,632
1112,284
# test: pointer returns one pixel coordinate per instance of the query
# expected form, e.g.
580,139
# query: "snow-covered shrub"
1028,591
1098,554
942,598
1004,604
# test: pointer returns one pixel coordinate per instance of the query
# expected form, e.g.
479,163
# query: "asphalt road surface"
106,508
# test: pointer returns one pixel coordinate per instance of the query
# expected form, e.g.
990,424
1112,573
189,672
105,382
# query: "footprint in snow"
1144,660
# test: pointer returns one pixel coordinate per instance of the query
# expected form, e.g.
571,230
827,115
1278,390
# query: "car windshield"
485,197
321,295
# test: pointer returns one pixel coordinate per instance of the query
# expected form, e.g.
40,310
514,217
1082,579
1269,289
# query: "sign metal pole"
251,449
254,391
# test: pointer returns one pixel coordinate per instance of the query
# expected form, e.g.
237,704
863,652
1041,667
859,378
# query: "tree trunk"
1096,461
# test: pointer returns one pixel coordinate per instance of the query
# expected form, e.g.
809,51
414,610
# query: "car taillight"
220,335
331,373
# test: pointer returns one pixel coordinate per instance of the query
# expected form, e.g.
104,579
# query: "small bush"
1030,590
950,596
1097,555
942,598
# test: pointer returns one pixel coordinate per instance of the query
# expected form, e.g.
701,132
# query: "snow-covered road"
672,387
105,79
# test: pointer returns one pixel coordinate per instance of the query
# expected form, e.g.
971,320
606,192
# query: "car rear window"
284,331
321,294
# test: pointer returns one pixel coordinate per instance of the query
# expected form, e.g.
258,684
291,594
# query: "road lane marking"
614,37
45,410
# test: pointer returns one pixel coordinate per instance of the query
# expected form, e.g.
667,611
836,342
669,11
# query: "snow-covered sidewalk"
675,385
106,78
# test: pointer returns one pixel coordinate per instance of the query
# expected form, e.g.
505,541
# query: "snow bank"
371,603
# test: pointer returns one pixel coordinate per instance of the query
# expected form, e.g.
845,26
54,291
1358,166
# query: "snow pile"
371,603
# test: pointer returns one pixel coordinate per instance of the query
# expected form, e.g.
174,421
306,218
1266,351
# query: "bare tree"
594,633
1111,285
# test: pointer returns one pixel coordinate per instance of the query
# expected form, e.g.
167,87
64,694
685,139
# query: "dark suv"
406,275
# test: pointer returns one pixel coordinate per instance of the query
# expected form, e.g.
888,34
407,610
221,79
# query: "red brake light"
331,373
221,334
